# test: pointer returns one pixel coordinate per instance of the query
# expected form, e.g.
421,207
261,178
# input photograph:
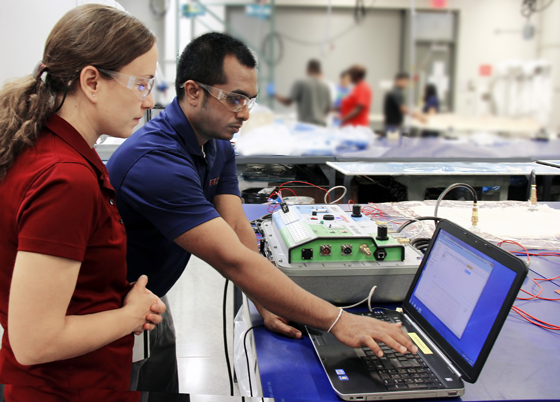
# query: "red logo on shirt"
215,181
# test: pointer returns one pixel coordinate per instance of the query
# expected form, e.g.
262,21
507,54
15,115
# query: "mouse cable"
247,356
224,328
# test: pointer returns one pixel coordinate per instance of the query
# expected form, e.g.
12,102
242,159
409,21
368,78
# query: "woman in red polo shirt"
354,109
67,311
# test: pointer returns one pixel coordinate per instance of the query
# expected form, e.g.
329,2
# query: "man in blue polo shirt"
177,193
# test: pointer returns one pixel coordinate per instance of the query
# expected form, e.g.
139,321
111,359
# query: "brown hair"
91,34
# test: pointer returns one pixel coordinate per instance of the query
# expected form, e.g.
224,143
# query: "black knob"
382,232
328,217
314,213
356,211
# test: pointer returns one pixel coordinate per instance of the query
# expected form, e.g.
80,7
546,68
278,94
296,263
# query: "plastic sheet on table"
534,228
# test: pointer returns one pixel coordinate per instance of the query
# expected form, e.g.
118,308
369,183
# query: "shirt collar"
72,137
183,127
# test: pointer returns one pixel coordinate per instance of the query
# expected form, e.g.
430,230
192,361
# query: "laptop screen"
460,293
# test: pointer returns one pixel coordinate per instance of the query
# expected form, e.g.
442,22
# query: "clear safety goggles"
140,86
233,101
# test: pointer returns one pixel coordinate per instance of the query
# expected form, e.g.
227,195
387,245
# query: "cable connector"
533,198
474,217
364,249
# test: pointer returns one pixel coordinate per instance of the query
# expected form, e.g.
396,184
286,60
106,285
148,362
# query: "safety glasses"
140,86
233,101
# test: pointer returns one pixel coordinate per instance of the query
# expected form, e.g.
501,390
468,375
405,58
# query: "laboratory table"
442,174
523,365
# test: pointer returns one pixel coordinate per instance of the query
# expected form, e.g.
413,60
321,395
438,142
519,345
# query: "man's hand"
280,325
277,324
358,331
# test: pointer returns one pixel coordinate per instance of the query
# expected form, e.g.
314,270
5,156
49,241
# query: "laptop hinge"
433,346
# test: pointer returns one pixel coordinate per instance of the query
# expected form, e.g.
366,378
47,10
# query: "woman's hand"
145,306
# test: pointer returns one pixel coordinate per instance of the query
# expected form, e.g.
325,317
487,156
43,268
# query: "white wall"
549,49
479,43
24,27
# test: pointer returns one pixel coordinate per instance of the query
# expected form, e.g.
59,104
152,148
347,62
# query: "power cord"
224,326
247,355
474,217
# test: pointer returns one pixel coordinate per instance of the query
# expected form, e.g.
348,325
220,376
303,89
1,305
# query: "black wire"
224,325
420,243
278,37
359,11
528,7
421,218
247,355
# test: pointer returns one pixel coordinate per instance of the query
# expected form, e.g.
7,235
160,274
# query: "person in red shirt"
66,307
354,109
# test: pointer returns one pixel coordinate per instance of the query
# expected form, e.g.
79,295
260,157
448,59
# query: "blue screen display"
460,293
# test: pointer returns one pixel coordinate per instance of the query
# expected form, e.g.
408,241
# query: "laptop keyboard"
399,371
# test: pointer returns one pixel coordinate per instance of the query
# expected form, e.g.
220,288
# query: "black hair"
429,91
203,60
357,73
403,75
314,66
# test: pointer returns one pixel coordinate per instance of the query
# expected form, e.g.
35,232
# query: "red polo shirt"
360,95
57,200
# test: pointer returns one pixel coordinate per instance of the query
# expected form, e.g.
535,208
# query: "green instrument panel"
339,244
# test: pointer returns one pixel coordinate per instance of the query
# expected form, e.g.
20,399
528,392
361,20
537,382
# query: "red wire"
535,321
522,313
517,244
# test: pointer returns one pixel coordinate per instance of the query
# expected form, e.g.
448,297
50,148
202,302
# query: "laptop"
454,310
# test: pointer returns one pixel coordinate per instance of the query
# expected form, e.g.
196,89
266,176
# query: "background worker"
178,193
67,310
311,95
342,89
354,109
394,105
431,107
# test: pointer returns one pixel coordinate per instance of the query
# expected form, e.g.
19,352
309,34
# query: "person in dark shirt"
178,194
431,106
431,100
394,105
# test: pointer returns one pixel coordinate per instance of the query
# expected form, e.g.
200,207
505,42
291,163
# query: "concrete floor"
196,304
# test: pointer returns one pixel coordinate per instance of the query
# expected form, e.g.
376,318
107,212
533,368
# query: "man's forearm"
353,113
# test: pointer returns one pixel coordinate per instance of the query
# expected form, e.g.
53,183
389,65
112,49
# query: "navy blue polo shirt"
165,186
